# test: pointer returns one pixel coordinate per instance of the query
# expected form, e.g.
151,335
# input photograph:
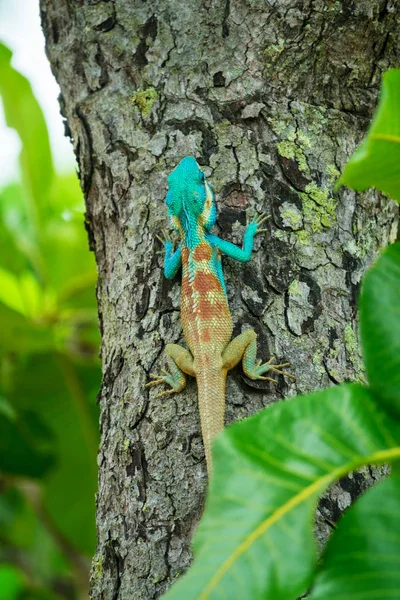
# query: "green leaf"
25,445
24,114
67,197
19,334
376,163
14,256
6,409
256,540
12,582
380,327
10,291
67,406
24,533
23,294
64,245
362,558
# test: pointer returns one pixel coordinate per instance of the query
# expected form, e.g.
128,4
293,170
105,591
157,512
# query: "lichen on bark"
271,99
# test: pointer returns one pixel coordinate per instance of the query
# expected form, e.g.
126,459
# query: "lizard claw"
165,237
268,379
165,378
258,220
261,218
259,370
155,382
165,393
277,369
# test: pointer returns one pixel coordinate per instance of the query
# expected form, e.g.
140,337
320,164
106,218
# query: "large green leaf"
376,163
24,114
362,559
380,327
255,540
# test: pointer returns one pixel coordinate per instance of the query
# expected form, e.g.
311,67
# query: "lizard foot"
166,378
257,221
167,239
257,372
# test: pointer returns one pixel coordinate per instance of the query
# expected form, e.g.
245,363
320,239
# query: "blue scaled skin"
186,200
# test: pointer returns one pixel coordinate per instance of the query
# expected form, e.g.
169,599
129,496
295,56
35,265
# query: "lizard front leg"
233,251
179,361
244,347
172,260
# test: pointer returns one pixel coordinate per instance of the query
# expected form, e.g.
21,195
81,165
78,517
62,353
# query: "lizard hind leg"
244,347
179,361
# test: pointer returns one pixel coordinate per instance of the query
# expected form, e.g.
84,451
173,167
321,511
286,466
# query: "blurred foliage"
49,370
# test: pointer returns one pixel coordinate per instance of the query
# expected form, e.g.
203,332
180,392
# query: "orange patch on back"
205,335
208,310
202,252
185,254
186,287
206,282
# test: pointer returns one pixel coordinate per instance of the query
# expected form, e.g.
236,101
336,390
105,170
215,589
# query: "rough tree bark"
271,98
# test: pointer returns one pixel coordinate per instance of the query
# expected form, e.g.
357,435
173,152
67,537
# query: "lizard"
205,316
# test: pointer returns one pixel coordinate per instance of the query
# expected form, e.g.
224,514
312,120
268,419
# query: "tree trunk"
271,98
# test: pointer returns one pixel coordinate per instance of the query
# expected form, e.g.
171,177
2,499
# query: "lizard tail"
211,398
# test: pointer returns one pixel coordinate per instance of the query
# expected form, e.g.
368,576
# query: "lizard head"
190,199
